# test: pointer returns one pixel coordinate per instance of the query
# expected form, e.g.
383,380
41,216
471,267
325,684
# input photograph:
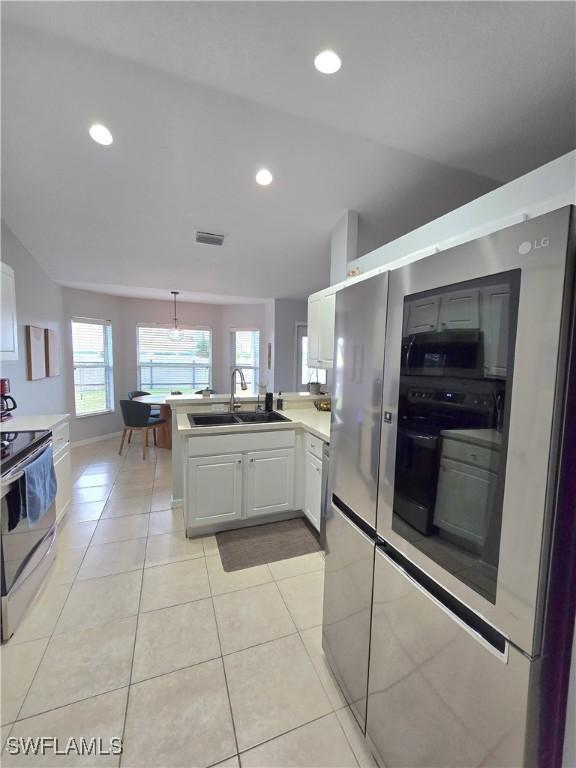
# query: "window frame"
234,364
107,366
182,327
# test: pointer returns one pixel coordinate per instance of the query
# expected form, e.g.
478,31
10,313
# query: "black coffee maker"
7,402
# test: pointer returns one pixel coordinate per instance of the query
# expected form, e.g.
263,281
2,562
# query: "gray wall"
287,314
39,302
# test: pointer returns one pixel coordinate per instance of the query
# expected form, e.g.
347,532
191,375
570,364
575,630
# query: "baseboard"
78,443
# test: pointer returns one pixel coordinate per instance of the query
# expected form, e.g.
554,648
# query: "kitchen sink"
244,417
216,420
260,417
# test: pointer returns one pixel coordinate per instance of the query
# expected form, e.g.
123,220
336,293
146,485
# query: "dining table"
164,430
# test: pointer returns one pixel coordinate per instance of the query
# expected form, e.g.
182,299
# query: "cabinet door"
312,489
8,325
64,482
215,488
423,315
464,501
328,313
269,482
314,321
496,327
460,309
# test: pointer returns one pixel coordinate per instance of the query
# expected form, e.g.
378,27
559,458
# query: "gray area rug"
259,544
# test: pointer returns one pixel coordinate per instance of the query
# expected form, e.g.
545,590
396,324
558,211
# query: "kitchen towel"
40,482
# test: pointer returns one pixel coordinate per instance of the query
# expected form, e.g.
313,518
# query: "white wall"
38,302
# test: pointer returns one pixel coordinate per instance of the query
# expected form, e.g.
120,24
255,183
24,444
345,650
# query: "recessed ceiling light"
264,177
327,62
101,134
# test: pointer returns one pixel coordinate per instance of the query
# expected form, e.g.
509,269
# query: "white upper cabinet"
321,317
495,320
423,315
8,324
327,321
460,309
314,321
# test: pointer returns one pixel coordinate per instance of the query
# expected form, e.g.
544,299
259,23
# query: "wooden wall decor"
35,352
52,355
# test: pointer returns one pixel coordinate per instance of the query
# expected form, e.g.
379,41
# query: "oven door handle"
16,473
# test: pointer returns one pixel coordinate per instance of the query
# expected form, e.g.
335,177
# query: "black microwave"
458,353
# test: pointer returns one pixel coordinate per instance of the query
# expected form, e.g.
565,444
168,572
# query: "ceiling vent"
209,238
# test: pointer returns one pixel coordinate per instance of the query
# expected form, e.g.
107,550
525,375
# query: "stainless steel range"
26,551
449,594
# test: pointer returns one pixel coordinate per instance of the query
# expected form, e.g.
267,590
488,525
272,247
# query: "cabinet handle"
239,461
252,461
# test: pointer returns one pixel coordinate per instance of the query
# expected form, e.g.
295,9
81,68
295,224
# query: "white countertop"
33,422
487,438
180,400
309,419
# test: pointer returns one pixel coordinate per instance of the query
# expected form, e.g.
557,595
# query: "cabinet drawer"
239,442
484,458
60,437
314,445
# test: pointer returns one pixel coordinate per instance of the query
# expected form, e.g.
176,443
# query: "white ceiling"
436,103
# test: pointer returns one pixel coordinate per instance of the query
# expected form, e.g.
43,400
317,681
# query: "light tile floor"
140,634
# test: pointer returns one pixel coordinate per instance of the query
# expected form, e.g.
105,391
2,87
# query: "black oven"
445,353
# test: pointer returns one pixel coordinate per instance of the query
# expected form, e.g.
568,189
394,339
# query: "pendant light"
174,334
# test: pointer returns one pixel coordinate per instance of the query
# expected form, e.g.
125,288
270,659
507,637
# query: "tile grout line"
51,635
223,665
291,730
134,643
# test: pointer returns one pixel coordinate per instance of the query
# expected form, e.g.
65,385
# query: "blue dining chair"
137,418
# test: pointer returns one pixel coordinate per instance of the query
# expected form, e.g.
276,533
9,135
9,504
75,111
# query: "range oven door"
490,521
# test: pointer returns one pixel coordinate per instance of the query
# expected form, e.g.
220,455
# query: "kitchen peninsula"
228,474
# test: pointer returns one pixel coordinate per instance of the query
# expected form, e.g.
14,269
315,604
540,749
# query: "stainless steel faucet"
233,404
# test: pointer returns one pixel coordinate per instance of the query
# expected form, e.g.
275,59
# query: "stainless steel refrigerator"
449,592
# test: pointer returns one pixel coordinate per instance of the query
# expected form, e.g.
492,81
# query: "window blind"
164,365
246,355
93,366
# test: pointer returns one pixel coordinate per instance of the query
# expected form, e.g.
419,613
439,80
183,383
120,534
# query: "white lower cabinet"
312,488
269,482
215,488
63,473
255,478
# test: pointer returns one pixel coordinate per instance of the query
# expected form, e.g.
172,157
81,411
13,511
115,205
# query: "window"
306,375
246,355
93,366
166,366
